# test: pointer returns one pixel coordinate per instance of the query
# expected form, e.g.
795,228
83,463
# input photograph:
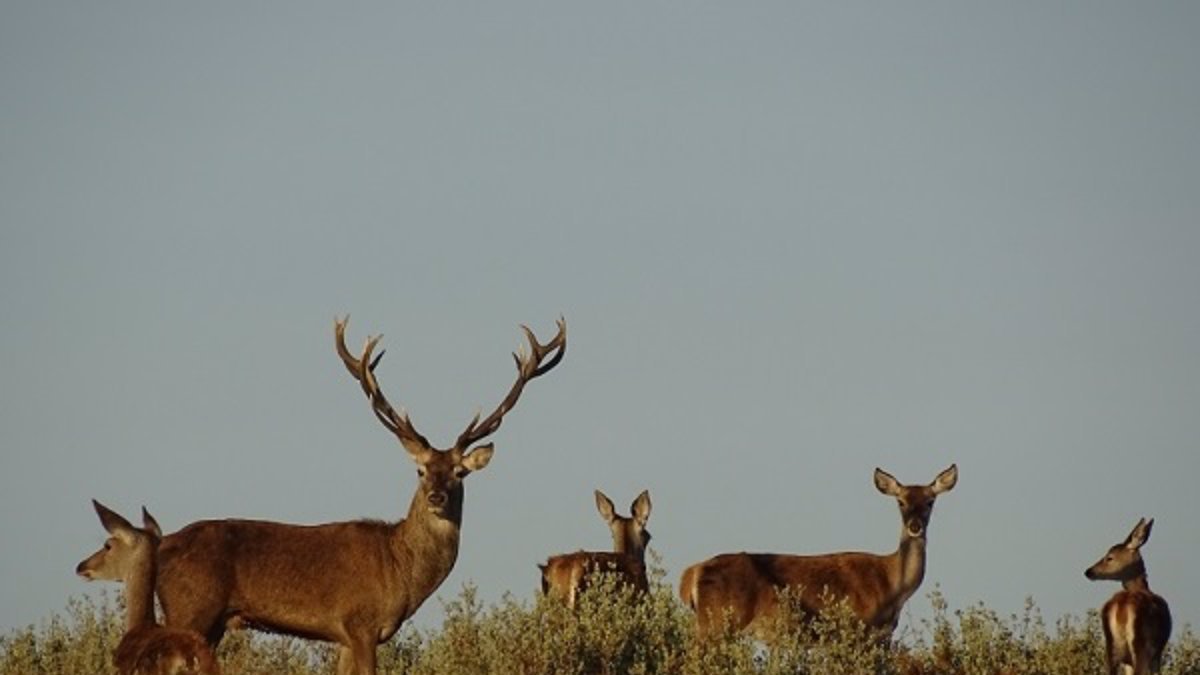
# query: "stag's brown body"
146,648
744,589
330,582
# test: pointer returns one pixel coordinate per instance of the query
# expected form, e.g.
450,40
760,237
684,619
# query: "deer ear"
605,506
641,508
1140,533
112,520
478,457
945,480
150,524
886,483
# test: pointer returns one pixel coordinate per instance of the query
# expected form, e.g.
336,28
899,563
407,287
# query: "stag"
565,576
146,648
744,588
351,583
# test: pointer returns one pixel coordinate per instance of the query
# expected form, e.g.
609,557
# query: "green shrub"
613,631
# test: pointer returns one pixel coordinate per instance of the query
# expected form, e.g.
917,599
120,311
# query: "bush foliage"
613,632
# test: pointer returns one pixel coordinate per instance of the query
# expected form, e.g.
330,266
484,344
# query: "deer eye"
461,472
420,472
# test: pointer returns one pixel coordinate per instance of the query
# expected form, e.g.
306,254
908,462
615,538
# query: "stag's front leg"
356,658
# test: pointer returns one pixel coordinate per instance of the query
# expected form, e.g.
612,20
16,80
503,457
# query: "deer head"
1124,560
916,501
629,534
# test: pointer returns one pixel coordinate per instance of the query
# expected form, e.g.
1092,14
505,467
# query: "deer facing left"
565,576
147,648
1136,620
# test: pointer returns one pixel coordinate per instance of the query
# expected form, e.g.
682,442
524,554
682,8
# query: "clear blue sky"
793,242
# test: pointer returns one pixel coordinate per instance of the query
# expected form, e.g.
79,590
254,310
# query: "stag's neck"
908,568
139,595
426,544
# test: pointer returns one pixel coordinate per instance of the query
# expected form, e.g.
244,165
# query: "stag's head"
1124,560
441,471
916,501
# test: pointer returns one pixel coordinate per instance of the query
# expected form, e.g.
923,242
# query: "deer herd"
214,575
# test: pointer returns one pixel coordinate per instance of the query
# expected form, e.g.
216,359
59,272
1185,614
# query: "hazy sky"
792,242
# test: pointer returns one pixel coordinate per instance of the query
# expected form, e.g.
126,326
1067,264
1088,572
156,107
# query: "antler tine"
363,370
529,366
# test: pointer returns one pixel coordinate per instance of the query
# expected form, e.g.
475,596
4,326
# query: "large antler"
529,365
363,370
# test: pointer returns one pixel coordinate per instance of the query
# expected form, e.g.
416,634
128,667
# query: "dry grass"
611,632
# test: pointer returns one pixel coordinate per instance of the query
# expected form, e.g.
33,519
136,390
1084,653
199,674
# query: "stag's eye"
461,472
420,472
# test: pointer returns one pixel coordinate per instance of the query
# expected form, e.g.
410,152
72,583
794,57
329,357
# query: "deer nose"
437,499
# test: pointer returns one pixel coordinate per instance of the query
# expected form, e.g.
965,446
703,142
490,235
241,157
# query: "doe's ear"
1140,533
945,480
605,506
641,508
112,521
150,524
478,457
886,483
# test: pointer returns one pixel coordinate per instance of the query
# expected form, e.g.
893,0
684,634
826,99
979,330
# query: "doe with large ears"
147,648
744,588
1136,621
566,576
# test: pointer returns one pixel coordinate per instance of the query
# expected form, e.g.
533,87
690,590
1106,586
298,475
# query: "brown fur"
156,650
744,588
566,576
352,583
146,648
1136,621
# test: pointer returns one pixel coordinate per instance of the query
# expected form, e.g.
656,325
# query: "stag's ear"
478,457
1140,533
605,506
641,508
945,480
886,483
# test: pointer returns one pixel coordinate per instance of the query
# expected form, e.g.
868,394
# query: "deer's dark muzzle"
437,499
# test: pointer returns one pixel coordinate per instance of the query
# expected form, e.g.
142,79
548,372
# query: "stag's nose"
437,499
79,569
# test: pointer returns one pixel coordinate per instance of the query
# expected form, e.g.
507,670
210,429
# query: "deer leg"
345,665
